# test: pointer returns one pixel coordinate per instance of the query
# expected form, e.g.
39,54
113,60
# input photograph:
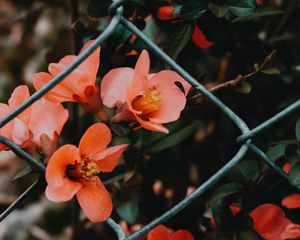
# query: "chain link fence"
244,140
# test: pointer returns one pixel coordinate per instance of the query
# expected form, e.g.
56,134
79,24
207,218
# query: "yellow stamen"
147,103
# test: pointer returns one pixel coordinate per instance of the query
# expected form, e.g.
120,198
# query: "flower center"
147,103
84,169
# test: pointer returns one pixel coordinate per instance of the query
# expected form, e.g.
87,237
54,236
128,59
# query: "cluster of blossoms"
144,100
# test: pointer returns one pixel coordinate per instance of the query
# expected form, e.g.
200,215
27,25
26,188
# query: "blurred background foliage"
160,170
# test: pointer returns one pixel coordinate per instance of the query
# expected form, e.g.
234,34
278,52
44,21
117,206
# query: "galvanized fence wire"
116,10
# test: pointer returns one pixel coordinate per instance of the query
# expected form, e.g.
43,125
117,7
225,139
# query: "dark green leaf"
121,33
261,12
173,139
213,28
178,39
218,10
129,211
248,234
242,8
297,129
193,9
247,170
294,173
291,153
98,8
119,129
222,214
225,191
23,172
276,152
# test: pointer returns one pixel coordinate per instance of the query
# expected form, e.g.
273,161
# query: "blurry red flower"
291,201
73,171
79,86
163,233
140,97
271,223
166,13
200,39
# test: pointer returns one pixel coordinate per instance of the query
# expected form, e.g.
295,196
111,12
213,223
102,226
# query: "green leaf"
225,191
23,172
129,211
271,71
121,33
297,129
242,8
243,87
119,129
260,12
193,9
222,214
291,153
173,139
294,174
178,39
246,170
218,10
98,8
247,234
276,152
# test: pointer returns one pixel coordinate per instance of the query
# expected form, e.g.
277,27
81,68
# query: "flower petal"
291,201
182,235
49,122
114,86
57,94
94,140
159,233
156,127
140,77
173,99
19,95
292,231
200,39
109,158
62,193
94,200
91,64
269,220
19,132
142,65
58,163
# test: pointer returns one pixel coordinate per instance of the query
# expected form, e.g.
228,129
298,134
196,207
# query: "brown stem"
231,83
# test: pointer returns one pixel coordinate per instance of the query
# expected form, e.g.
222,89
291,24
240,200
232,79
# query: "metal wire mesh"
244,140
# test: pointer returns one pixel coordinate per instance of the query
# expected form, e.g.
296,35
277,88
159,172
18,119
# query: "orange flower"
166,13
163,233
200,39
73,171
17,129
147,99
79,86
40,123
46,123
